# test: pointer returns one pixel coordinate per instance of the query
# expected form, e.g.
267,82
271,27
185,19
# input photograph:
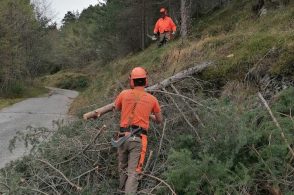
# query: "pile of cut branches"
206,145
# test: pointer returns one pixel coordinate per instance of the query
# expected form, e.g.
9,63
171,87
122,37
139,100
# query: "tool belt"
131,128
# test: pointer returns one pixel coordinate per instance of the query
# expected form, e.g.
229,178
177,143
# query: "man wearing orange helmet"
164,27
136,106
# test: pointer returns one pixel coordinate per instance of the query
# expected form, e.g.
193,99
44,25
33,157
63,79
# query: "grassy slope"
232,37
29,92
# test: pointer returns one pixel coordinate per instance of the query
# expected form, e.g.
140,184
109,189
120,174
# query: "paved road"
35,112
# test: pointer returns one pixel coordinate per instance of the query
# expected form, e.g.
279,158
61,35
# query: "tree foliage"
25,46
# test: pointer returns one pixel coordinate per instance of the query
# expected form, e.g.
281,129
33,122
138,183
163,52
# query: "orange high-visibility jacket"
165,24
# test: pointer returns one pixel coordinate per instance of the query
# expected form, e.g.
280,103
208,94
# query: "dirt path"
35,112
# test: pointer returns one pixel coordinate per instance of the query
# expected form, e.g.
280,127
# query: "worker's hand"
157,117
152,117
174,33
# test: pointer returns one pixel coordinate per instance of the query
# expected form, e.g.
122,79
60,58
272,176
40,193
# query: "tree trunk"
184,18
143,30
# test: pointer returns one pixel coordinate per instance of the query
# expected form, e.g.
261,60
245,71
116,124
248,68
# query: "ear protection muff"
132,84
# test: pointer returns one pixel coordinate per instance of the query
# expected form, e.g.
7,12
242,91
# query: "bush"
77,83
14,90
239,150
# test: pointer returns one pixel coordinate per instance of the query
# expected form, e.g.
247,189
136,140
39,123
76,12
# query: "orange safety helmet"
138,73
163,10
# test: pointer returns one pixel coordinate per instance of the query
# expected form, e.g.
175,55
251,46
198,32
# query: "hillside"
238,43
218,136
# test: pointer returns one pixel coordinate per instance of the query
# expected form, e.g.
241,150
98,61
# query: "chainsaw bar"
153,38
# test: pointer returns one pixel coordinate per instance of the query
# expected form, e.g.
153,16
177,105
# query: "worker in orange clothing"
164,27
137,107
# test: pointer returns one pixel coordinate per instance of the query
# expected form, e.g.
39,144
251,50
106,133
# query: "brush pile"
214,140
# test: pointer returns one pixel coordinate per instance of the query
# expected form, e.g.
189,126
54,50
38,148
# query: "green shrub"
77,83
238,149
284,102
14,90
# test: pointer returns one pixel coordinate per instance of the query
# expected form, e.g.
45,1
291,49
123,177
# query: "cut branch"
87,147
59,172
35,190
183,115
5,185
187,104
89,171
164,182
179,76
276,123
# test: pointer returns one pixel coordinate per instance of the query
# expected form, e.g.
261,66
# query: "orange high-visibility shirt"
146,105
165,24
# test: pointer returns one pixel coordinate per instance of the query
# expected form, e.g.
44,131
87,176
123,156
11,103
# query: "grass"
8,102
29,92
67,80
236,43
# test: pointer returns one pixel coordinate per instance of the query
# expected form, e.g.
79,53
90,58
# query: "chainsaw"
153,38
117,143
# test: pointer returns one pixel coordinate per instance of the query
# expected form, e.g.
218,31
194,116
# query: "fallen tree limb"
34,190
99,112
5,185
183,115
95,138
179,76
89,171
162,181
160,145
154,88
188,105
87,147
276,123
60,173
148,161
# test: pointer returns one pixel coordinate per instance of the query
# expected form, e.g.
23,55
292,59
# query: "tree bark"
184,18
143,24
179,76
